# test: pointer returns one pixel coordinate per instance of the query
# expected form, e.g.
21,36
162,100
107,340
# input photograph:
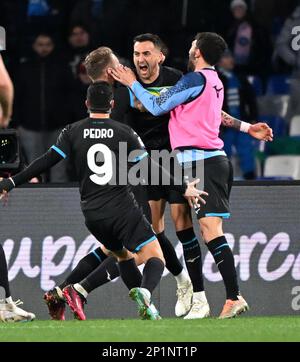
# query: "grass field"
167,330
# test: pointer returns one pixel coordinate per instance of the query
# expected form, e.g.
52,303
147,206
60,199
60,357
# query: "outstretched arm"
260,131
187,88
40,165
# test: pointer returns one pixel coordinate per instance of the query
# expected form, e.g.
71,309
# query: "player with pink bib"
196,103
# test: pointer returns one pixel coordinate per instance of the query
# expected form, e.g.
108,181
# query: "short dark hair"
100,95
97,61
211,46
155,39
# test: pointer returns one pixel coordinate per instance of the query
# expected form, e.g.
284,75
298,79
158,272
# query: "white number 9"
104,173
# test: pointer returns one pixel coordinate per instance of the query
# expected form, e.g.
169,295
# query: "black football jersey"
101,149
153,130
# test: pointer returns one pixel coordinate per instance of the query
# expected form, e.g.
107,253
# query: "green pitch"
166,330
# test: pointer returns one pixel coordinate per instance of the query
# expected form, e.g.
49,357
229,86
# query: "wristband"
245,127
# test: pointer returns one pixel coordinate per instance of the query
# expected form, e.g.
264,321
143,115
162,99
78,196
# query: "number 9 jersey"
101,150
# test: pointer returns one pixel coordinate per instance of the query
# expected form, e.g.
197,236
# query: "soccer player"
9,310
96,269
195,103
105,206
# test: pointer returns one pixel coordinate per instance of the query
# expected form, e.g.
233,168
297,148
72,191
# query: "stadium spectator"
108,21
239,102
250,43
43,86
286,49
79,46
9,310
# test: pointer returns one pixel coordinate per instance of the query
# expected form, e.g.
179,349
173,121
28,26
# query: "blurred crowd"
47,41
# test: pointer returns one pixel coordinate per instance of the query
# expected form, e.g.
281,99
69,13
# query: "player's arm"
38,166
260,131
54,155
187,88
6,95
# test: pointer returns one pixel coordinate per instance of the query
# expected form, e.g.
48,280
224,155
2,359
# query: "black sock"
4,273
172,262
108,270
192,257
130,273
85,266
152,273
225,262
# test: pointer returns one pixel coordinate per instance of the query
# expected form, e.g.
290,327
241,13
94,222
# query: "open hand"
193,195
123,75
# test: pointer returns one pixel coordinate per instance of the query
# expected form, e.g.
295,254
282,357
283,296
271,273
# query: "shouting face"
146,58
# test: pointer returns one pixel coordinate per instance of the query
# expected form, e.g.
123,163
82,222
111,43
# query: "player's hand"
261,131
5,186
193,195
123,75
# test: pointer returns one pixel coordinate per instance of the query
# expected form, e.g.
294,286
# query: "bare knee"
211,228
181,216
151,250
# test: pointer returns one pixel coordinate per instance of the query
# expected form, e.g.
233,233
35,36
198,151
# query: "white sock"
80,290
59,292
199,296
147,292
9,300
182,278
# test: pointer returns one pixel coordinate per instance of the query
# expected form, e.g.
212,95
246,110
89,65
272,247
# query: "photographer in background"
9,310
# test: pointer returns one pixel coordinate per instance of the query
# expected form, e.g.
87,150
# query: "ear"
87,104
112,104
162,58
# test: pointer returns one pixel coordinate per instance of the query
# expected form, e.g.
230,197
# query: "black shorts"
128,229
218,177
159,192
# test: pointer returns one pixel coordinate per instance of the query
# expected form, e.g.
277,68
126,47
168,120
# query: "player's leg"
92,271
218,177
189,296
151,255
212,232
158,223
10,310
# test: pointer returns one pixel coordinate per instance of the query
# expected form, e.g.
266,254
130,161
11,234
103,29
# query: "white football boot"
200,307
184,298
11,312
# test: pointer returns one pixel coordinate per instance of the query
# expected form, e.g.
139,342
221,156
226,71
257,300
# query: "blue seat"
256,83
278,125
278,84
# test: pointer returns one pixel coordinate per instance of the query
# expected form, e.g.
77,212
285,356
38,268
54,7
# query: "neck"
99,115
202,64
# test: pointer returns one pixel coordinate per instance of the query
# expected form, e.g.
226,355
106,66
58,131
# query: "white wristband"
245,127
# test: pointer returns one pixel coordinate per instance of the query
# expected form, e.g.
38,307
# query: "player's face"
146,58
192,58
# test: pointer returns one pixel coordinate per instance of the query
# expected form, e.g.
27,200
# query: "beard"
191,63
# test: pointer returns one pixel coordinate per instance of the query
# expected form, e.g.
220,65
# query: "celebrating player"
105,206
195,103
